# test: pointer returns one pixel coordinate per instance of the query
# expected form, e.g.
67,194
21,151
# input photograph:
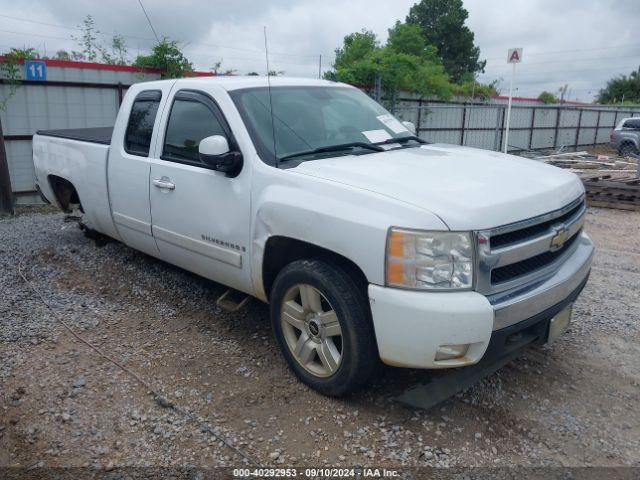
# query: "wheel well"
280,251
65,193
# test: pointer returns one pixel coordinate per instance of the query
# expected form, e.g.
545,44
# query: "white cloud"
604,33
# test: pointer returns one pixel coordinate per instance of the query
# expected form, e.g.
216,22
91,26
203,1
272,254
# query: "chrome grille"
515,270
520,253
522,234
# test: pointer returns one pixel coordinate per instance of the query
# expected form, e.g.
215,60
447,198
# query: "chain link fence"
532,127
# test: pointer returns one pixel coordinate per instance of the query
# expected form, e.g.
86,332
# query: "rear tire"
321,321
626,149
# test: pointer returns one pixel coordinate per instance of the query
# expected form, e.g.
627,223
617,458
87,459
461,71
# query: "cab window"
193,117
137,138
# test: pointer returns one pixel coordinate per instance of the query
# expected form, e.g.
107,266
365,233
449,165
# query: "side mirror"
410,126
214,152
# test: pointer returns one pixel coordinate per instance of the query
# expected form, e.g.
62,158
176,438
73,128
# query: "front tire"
321,321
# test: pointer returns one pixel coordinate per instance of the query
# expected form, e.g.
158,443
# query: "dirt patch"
572,403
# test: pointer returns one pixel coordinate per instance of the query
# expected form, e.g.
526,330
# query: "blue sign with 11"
35,70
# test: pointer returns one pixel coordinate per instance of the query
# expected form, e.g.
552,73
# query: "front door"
200,217
128,168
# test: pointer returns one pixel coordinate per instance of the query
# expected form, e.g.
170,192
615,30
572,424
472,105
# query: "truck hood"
468,188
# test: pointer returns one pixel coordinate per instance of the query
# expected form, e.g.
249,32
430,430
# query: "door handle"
164,183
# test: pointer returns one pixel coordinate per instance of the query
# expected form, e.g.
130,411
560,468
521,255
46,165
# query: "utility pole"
6,195
320,67
563,92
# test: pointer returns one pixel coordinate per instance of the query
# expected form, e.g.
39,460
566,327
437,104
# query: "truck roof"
249,81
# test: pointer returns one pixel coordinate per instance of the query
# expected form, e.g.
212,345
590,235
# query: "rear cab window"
632,123
137,138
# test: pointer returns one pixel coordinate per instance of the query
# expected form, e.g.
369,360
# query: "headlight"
428,260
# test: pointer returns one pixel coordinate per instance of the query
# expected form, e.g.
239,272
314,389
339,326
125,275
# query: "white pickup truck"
368,243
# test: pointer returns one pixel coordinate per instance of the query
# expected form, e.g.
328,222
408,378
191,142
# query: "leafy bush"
547,97
166,55
622,87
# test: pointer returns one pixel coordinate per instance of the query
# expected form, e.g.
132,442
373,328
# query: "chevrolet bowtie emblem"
559,238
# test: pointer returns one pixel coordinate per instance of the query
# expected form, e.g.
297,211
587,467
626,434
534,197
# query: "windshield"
311,118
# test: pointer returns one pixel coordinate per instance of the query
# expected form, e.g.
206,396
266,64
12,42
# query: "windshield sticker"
375,136
392,123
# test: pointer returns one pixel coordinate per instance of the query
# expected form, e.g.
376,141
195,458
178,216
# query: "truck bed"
100,135
80,157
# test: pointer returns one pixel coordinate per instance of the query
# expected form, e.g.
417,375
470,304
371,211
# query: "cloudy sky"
578,42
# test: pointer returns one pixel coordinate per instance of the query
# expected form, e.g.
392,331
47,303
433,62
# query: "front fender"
345,220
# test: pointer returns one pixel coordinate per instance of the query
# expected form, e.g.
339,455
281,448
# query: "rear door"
200,216
129,167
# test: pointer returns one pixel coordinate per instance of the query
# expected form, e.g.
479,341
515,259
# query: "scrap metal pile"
611,181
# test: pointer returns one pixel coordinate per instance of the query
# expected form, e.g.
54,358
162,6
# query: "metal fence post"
120,95
595,137
555,133
419,119
6,195
533,124
464,119
578,131
377,88
497,140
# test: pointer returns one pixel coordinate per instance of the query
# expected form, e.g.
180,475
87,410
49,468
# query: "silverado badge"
559,238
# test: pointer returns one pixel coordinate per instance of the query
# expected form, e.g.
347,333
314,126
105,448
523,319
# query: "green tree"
166,55
116,53
469,87
87,41
11,70
356,46
406,62
443,25
547,97
62,55
354,62
622,87
407,38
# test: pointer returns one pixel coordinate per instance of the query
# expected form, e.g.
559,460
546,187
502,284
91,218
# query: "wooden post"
6,195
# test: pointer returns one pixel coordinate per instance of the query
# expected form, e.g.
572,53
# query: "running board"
426,395
232,300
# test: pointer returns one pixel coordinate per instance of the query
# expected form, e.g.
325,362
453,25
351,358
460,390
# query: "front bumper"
412,326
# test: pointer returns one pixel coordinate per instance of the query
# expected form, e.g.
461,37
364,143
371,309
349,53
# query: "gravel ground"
570,404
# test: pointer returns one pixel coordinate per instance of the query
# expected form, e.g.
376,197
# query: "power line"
35,35
565,61
306,55
149,20
67,27
628,45
566,72
55,25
